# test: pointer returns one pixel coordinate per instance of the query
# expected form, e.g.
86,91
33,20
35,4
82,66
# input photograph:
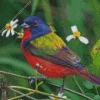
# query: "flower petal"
68,38
3,32
60,94
64,97
51,96
12,32
83,40
14,26
8,33
74,29
14,22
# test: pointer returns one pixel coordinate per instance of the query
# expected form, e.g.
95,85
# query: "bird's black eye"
35,23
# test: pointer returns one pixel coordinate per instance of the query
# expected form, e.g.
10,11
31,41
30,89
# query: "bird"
47,53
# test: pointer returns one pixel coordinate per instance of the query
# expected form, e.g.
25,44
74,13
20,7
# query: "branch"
23,95
66,89
72,91
33,91
11,74
78,85
18,92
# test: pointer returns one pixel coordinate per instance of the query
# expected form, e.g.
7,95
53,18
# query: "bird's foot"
31,80
61,89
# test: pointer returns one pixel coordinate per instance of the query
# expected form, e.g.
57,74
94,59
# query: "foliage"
95,54
63,15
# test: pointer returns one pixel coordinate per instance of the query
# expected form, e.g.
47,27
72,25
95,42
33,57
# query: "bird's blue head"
36,25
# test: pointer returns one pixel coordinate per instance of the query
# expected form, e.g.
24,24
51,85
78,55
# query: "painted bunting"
42,47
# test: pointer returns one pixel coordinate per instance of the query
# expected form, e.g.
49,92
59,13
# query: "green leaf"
34,6
47,11
95,54
97,97
88,85
91,95
95,10
20,8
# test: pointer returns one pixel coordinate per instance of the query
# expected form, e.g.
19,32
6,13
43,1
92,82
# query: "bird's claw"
61,89
31,80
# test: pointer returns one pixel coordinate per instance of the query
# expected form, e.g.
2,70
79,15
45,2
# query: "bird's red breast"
27,34
47,68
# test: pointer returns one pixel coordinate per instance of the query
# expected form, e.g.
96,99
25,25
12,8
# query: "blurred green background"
62,14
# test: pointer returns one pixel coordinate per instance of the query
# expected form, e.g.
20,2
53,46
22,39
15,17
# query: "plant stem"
19,76
78,85
36,85
16,32
96,90
23,77
11,74
72,91
34,91
22,94
4,95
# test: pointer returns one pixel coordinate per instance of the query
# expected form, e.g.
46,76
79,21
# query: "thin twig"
7,73
78,85
18,92
35,91
96,90
72,91
36,79
23,95
11,74
20,76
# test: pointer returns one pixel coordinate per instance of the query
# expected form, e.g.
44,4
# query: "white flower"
59,95
77,34
9,28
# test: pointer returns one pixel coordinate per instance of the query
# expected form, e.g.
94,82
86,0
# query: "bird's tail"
90,77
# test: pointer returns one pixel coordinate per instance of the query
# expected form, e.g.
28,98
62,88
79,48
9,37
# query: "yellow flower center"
55,99
8,26
77,34
20,35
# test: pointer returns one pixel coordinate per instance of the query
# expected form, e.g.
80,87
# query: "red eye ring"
35,23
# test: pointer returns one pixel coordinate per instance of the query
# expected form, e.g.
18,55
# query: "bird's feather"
52,48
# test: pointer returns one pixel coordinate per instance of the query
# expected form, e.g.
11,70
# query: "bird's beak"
24,25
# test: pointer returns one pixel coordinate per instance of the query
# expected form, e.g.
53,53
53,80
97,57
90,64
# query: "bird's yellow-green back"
50,40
